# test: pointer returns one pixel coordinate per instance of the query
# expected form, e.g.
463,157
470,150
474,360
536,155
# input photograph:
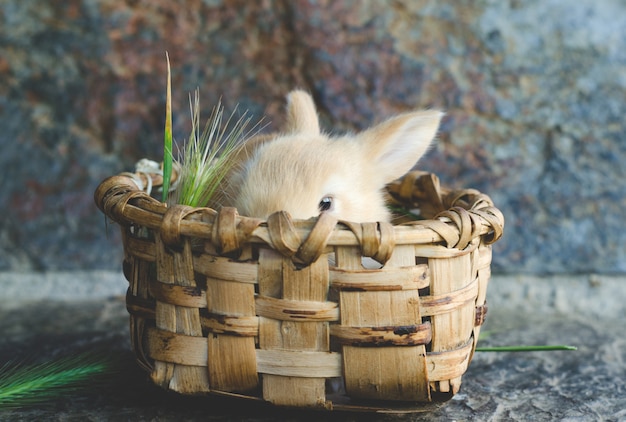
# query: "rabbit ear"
394,146
301,114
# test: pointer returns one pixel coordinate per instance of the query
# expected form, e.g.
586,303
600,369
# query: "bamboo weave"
224,304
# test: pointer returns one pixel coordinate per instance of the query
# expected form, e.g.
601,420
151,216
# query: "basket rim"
464,215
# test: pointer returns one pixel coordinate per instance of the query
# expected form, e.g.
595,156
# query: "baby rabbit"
305,172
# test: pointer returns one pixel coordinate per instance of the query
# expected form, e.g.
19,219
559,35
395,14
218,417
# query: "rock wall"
534,93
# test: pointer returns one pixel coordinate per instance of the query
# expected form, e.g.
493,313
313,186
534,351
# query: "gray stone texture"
534,93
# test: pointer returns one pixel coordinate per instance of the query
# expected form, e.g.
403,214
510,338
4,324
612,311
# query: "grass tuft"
208,155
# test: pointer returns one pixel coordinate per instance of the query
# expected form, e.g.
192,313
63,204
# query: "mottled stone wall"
534,93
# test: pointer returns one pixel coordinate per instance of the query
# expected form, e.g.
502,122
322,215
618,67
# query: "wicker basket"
229,305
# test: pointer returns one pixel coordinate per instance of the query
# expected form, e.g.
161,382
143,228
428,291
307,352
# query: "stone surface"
533,93
584,385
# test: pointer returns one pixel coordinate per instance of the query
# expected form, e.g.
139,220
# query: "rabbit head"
305,172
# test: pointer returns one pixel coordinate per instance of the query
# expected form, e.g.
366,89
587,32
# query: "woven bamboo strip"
449,302
289,363
165,314
176,267
270,285
137,272
483,270
443,366
279,278
405,335
232,359
296,310
139,248
404,278
192,351
226,269
189,297
367,369
140,308
231,325
177,349
452,329
440,251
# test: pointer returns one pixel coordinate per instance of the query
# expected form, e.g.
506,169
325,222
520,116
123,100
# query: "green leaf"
167,141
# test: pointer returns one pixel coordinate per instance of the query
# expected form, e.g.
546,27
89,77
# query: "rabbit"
306,172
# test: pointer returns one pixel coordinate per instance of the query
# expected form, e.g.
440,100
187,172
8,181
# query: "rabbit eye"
326,203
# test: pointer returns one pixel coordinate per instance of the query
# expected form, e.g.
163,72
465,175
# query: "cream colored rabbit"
305,172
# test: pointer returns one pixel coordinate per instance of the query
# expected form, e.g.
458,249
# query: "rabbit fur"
304,171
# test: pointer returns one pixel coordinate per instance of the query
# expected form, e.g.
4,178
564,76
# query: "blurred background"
534,91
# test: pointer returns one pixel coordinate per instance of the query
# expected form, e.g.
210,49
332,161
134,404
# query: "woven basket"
229,305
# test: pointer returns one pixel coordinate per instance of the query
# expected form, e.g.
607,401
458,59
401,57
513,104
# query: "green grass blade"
167,141
24,385
485,334
525,348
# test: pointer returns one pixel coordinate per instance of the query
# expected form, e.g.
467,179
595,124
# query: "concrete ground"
50,315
